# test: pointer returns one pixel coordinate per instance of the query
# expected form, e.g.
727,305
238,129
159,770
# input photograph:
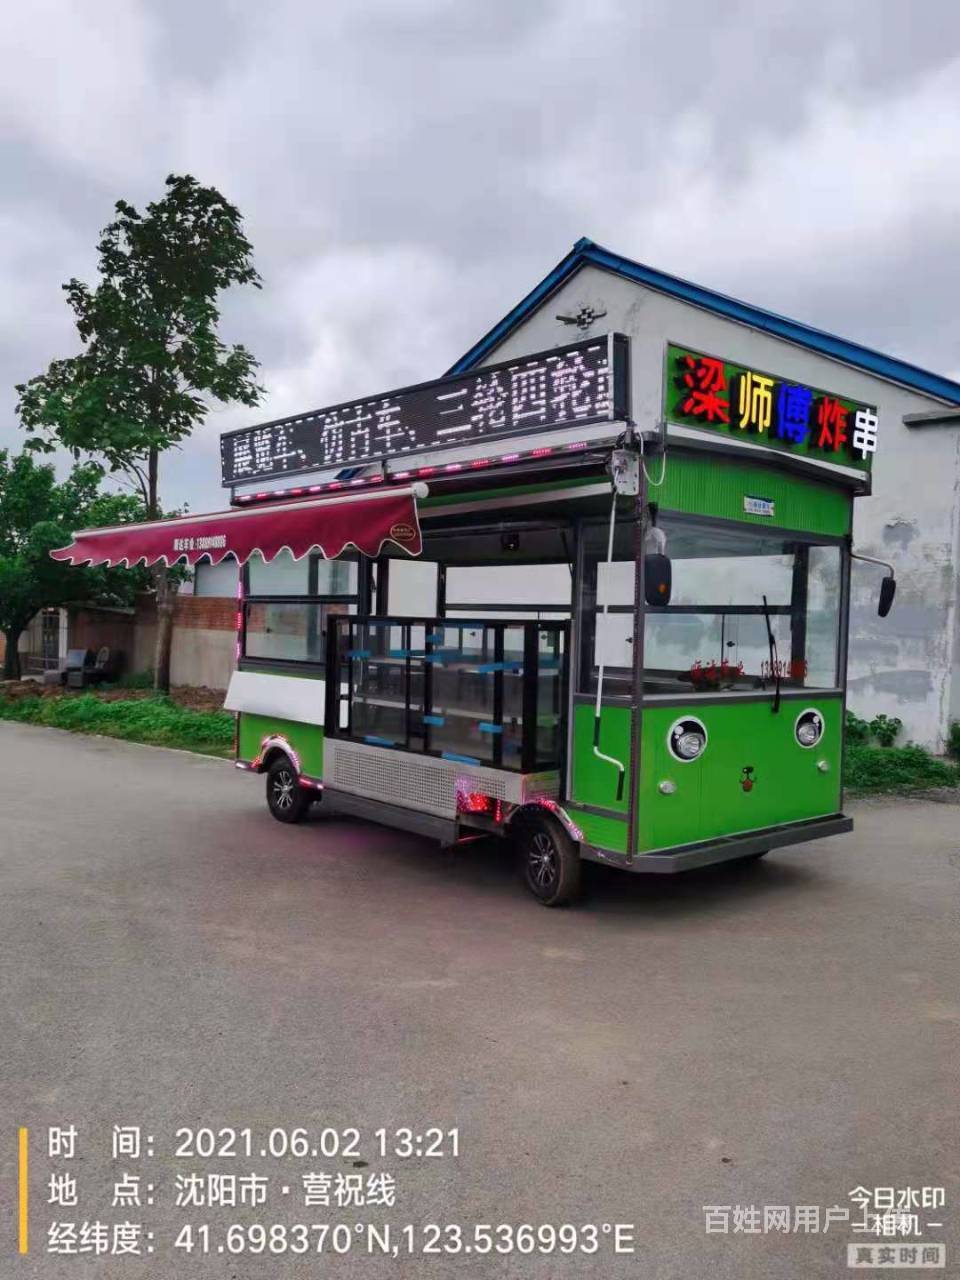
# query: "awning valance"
328,525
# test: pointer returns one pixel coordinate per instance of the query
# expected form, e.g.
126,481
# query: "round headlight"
687,739
808,727
689,745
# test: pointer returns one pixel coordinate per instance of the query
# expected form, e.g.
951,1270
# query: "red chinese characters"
714,675
705,382
832,424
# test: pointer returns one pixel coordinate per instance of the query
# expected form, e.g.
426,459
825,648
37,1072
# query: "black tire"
286,799
549,859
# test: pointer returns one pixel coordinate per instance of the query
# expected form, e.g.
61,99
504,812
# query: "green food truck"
622,642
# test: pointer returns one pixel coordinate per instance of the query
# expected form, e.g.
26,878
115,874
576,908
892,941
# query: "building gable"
586,253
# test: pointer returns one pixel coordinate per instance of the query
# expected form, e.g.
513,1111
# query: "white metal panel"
286,697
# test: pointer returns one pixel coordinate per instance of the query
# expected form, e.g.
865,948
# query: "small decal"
785,668
201,542
758,506
746,778
403,532
713,675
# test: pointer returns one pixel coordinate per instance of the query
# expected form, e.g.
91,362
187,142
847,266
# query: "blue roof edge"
587,252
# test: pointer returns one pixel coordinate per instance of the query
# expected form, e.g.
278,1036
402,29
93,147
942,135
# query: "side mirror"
888,589
657,579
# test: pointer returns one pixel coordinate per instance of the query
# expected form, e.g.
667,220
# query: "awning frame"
402,533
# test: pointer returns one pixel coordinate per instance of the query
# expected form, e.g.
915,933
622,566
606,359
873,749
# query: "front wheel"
550,860
286,799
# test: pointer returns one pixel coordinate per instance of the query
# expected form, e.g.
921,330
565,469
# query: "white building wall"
202,657
908,664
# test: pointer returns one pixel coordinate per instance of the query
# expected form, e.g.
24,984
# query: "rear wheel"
549,859
286,799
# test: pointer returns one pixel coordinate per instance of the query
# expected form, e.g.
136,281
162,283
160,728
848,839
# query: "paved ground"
170,956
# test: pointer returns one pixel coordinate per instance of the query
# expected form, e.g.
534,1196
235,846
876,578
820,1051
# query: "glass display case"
476,690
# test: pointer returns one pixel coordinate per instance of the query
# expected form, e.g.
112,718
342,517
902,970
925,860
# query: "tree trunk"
11,659
166,594
166,590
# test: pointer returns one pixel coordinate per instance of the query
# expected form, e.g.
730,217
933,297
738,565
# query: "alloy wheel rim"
283,790
542,861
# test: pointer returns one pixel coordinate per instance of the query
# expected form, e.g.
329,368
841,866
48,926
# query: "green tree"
37,515
152,361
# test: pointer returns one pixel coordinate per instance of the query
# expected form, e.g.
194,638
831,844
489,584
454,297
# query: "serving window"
287,605
311,575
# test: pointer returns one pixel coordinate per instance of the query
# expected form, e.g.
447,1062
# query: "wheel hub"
283,790
542,861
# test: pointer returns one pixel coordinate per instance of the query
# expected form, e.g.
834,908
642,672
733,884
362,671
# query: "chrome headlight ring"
687,739
808,728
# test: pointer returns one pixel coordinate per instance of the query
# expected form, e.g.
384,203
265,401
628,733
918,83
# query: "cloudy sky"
408,169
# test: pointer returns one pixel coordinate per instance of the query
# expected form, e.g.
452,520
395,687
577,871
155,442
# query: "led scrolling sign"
705,391
578,384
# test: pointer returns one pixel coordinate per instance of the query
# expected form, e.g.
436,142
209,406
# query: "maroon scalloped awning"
328,525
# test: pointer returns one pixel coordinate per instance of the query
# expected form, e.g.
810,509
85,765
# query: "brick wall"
208,613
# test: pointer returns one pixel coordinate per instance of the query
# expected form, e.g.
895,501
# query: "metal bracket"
625,472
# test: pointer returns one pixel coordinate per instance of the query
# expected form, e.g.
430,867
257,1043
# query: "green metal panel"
595,781
708,485
710,799
603,832
305,739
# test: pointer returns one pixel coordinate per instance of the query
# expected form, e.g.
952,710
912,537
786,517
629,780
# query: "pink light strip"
474,464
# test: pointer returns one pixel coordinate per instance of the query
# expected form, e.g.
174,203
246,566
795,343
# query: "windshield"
717,634
748,608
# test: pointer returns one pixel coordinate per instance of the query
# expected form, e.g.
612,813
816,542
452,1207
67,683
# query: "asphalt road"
170,957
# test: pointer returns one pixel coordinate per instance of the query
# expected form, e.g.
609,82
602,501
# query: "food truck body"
679,703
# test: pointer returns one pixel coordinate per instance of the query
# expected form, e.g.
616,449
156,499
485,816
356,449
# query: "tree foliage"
152,361
37,515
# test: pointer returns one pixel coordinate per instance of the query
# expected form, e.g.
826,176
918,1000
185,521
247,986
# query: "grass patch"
155,720
896,769
132,680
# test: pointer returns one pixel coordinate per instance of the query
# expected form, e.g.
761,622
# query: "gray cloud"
409,168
